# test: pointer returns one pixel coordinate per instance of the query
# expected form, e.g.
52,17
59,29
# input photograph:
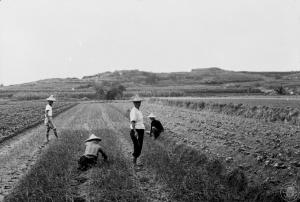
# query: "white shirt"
92,148
49,109
137,116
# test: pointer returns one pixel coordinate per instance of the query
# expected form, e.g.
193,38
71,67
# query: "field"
202,156
269,109
270,101
18,116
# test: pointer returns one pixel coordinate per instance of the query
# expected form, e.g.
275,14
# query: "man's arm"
151,129
103,154
133,127
47,115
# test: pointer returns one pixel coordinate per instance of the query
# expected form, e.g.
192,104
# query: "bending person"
90,157
156,127
137,128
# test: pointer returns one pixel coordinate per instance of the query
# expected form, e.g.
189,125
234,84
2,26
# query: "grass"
188,174
54,177
113,181
267,113
195,176
19,116
49,178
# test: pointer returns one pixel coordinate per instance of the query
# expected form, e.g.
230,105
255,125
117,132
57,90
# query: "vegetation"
18,116
172,170
198,82
109,90
267,113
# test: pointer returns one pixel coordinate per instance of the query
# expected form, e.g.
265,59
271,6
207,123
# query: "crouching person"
156,126
90,157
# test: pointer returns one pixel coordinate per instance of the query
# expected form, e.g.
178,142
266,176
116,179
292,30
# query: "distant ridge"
136,79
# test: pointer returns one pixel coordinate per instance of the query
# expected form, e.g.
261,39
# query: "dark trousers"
137,142
85,162
155,132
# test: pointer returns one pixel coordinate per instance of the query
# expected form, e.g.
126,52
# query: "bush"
109,91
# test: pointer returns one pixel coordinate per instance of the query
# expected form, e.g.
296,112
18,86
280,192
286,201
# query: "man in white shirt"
48,118
92,150
137,128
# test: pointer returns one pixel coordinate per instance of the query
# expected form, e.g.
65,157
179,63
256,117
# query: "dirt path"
146,180
19,153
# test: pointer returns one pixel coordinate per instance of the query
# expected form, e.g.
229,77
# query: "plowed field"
202,156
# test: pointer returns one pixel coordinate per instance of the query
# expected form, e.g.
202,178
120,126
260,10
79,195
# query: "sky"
70,38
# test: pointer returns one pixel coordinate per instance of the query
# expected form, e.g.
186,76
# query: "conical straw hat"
136,98
151,115
93,137
51,98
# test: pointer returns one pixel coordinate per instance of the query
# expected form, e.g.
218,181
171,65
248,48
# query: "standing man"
48,117
137,128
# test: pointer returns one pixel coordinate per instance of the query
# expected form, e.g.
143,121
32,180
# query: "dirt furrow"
18,154
146,180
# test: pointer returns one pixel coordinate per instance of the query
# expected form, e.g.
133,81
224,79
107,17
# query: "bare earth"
267,152
20,152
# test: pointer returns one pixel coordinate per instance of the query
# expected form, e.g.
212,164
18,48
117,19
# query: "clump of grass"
237,180
113,181
52,177
183,170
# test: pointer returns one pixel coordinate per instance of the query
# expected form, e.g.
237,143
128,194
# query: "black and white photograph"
150,101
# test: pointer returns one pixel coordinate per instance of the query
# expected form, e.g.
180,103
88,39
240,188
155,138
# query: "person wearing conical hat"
48,117
137,128
90,157
156,127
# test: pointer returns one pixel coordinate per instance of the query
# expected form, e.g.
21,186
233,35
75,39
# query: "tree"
99,88
115,92
280,90
109,90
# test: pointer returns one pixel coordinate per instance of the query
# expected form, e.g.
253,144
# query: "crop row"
267,113
17,116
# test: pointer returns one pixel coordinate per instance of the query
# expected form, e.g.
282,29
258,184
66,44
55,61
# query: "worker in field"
90,157
137,128
156,127
48,117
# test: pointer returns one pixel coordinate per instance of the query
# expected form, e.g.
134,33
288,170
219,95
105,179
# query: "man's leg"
156,133
135,146
82,163
54,129
47,133
140,141
55,132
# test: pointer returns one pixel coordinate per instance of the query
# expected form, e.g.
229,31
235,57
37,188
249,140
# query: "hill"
198,82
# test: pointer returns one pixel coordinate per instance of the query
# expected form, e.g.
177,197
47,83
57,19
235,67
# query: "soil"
266,152
269,153
19,153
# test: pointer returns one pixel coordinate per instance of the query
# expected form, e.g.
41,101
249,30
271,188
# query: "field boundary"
34,124
270,114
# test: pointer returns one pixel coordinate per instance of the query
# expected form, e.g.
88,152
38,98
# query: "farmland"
202,156
17,116
270,109
270,101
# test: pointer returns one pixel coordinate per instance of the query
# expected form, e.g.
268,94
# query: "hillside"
197,82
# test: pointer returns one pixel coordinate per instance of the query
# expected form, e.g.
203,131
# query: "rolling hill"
196,82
